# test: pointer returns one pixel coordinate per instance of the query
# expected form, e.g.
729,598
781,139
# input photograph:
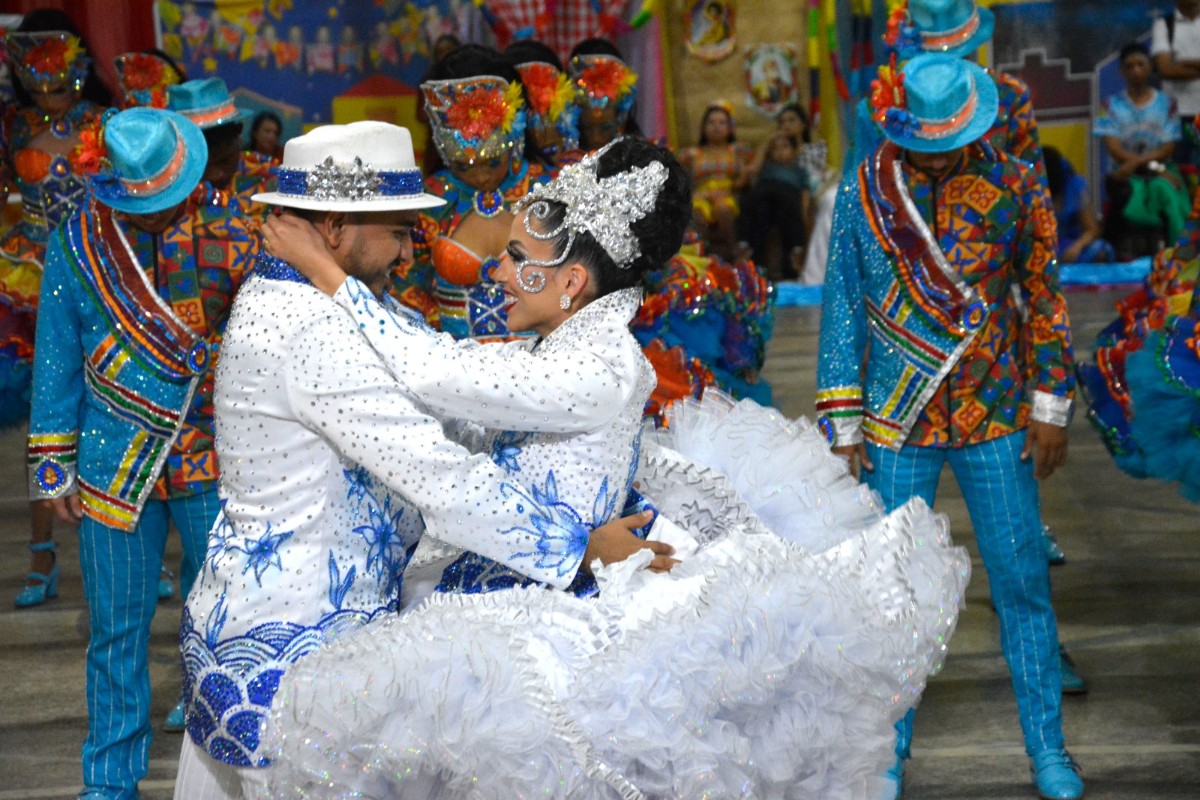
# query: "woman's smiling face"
531,311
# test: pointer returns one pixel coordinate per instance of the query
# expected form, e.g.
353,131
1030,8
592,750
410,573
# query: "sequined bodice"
50,200
50,189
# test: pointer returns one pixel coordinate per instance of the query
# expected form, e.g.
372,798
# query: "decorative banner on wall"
710,26
314,61
560,24
772,77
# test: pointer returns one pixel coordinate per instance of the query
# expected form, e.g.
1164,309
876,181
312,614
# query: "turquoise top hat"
954,27
155,158
936,103
206,102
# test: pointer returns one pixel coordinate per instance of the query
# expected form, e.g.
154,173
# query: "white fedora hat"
363,166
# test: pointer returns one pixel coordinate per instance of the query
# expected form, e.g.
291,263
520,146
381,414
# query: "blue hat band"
339,183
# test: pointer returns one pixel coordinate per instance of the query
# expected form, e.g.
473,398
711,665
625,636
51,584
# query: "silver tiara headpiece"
604,207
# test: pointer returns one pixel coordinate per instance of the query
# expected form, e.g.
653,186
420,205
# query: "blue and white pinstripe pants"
1002,498
120,582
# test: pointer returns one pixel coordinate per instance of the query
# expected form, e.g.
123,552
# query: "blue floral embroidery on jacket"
339,586
506,448
560,538
219,540
382,535
263,553
358,483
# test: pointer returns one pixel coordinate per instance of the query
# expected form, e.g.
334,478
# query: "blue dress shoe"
43,587
176,720
1056,775
1054,553
1072,681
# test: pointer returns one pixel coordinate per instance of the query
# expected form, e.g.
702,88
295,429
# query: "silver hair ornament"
539,209
604,207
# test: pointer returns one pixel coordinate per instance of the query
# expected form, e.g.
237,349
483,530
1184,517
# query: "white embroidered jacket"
562,416
330,472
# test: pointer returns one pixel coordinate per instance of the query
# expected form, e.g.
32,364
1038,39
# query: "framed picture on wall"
772,77
710,29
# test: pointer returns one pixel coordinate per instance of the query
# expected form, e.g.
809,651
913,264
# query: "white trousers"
817,252
202,777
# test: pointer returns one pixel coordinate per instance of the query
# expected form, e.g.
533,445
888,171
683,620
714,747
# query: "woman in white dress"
771,662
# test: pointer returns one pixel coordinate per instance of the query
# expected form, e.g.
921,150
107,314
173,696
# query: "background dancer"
950,383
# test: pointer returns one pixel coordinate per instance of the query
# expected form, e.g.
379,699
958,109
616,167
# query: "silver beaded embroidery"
328,181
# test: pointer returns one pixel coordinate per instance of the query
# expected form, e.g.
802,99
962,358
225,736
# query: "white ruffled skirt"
771,664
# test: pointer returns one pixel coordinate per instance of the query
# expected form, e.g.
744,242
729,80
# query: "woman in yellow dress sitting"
717,166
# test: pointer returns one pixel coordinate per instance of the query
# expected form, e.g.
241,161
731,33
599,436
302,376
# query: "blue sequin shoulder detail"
277,269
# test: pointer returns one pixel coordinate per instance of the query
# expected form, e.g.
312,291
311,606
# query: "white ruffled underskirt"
772,664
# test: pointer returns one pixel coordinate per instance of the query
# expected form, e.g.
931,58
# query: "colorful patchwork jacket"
122,395
938,277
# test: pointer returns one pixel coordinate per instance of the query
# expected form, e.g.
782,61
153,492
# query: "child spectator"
1079,231
717,169
779,200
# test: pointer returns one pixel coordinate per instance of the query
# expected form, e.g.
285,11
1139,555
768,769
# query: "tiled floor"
1128,602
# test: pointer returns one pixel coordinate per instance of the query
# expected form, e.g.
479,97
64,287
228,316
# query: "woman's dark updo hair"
472,61
596,46
524,51
659,233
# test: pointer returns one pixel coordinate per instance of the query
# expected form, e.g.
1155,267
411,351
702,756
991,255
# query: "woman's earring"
564,302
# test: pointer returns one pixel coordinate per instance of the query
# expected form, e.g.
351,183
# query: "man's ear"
333,229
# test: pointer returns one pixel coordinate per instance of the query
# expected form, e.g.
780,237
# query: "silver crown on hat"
604,207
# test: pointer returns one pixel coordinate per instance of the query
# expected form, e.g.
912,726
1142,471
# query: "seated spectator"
265,133
778,201
1175,48
1079,239
1139,126
813,154
717,167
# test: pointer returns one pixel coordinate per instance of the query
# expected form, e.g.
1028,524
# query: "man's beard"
376,278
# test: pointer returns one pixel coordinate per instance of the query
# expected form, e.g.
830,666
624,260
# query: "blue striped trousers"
1002,498
120,582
